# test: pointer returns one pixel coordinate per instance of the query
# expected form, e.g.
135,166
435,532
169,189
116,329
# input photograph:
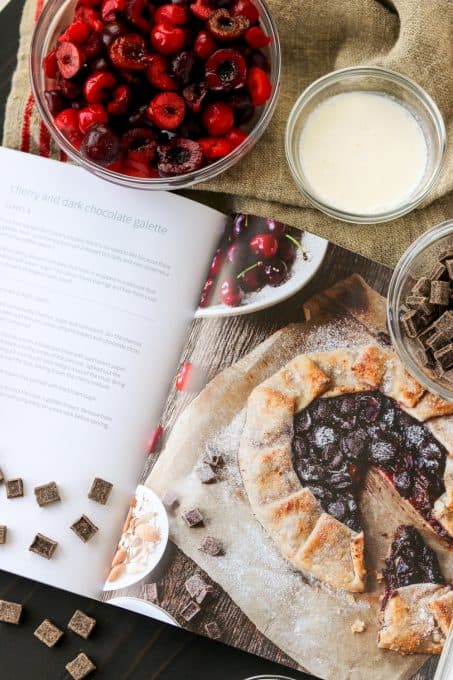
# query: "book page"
97,286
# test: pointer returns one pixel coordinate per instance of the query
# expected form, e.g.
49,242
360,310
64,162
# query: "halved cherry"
158,73
139,13
179,156
69,59
167,38
218,118
92,46
204,45
76,33
50,64
138,169
140,144
55,101
259,85
90,115
167,110
91,17
202,9
121,100
88,3
235,137
129,52
215,147
256,37
194,95
247,9
175,14
67,121
109,9
98,86
225,70
225,27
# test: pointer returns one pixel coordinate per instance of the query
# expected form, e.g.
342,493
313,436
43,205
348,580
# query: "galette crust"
416,619
313,541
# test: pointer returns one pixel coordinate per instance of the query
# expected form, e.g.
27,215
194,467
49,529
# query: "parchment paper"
308,622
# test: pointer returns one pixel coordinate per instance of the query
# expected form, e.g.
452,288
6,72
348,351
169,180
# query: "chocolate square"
437,272
449,265
14,488
190,611
411,322
446,253
84,528
422,286
47,493
425,335
206,474
10,612
100,491
3,533
437,341
193,517
150,593
212,630
440,293
212,546
444,357
198,589
170,500
445,324
48,633
81,624
80,667
43,546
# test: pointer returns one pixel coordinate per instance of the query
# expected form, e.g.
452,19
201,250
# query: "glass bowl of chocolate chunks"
420,309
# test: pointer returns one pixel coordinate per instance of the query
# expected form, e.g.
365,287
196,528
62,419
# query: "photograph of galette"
308,487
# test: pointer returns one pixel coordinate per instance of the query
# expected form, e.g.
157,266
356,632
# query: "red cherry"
110,7
90,115
264,245
166,110
218,118
251,280
287,251
259,85
139,13
158,73
182,379
214,147
247,9
207,293
175,14
276,228
216,264
67,121
50,64
121,101
98,86
236,136
69,59
230,293
90,17
55,101
256,37
138,169
92,46
167,38
237,254
76,33
204,45
202,9
140,144
129,52
88,3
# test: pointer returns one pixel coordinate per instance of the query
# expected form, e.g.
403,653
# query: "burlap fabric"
414,37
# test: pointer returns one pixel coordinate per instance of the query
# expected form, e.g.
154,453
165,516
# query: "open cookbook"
202,420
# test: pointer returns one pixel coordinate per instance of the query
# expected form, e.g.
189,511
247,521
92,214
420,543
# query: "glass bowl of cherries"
155,94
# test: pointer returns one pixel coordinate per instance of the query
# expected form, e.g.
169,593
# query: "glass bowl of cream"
365,144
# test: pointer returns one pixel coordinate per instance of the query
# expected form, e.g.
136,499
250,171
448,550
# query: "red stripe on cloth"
25,133
44,141
38,9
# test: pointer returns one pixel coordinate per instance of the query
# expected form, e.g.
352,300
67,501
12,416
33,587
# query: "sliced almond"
147,533
120,557
116,572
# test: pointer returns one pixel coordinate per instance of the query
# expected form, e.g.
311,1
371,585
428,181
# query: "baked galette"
417,606
312,430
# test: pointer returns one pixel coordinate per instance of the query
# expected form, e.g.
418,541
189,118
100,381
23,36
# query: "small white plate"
302,272
134,604
153,503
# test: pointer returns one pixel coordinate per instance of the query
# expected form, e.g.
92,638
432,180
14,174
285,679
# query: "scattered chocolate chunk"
211,546
81,624
437,272
449,265
193,517
198,589
444,357
190,611
425,335
150,593
14,488
440,293
43,546
212,630
100,491
437,341
206,474
3,533
422,286
423,304
84,528
170,500
411,322
213,458
47,493
80,667
48,633
445,324
10,612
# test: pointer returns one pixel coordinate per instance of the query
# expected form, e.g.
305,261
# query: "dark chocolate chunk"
10,612
212,546
100,491
3,533
437,272
43,546
444,357
81,624
47,493
84,528
437,341
170,500
48,633
446,253
213,458
440,293
424,357
421,287
80,667
448,375
411,322
421,303
206,474
14,488
445,324
190,611
425,335
150,593
449,265
212,630
193,517
198,589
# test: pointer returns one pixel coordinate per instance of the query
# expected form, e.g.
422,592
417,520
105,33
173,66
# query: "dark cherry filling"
335,440
410,561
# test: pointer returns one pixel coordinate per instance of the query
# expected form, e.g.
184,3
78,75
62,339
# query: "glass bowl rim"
386,75
157,183
427,239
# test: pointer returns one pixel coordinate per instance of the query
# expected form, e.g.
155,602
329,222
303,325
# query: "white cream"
362,152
